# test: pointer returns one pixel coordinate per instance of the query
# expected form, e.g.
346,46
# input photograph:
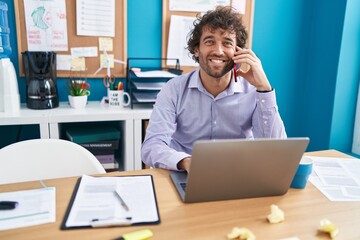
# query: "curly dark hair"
224,17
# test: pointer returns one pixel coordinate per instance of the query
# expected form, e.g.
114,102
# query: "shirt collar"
235,87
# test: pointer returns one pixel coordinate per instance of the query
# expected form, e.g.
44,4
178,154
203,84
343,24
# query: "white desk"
130,124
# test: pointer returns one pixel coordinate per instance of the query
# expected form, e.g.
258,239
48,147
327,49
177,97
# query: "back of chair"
39,159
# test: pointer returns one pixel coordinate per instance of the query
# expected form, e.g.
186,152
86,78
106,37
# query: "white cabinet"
50,122
27,116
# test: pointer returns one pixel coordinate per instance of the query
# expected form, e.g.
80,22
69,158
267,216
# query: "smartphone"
235,72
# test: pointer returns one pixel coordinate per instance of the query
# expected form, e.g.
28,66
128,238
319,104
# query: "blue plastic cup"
303,173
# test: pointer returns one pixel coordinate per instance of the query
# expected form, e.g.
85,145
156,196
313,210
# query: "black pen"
8,205
121,201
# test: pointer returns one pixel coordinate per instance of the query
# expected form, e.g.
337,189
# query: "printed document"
95,18
337,178
180,26
155,74
97,199
197,5
37,206
149,85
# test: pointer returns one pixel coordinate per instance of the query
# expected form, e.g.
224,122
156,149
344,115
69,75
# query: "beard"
215,72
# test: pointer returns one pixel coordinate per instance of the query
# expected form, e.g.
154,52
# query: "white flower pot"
77,101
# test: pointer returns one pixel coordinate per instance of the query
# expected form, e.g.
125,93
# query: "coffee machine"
40,74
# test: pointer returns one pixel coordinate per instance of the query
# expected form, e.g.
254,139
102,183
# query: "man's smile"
217,60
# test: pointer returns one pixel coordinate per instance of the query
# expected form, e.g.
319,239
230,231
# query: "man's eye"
208,42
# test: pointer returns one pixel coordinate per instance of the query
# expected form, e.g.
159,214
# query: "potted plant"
78,93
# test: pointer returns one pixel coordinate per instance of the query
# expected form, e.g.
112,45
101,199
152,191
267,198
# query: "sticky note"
107,43
78,64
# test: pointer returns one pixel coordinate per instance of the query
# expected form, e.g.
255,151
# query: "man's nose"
218,48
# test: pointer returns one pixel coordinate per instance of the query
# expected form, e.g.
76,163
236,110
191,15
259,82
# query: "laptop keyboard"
183,185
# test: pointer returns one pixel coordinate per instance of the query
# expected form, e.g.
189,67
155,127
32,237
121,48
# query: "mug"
303,173
116,98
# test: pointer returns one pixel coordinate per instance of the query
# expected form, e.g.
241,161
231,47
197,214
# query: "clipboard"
141,213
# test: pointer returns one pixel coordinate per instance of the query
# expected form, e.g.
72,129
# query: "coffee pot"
40,74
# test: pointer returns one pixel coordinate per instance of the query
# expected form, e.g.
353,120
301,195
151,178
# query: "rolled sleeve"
267,121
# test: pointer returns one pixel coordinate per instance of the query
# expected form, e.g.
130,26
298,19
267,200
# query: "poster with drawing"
46,26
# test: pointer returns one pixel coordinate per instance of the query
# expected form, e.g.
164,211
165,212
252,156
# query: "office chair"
39,159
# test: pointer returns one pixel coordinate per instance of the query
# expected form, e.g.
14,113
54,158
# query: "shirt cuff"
265,91
267,100
175,159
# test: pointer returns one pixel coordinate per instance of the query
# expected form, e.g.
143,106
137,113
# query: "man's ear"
196,52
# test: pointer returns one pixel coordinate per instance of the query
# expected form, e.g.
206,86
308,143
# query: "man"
213,102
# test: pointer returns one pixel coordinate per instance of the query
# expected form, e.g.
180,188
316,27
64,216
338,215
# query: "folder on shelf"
144,97
144,82
84,134
105,145
155,74
106,158
149,85
125,200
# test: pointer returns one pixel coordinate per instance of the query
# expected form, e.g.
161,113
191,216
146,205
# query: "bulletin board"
247,21
92,63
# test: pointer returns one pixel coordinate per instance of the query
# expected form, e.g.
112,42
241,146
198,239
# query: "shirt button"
262,100
265,122
214,122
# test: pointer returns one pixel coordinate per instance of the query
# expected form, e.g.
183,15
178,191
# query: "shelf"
27,116
148,85
52,121
145,97
145,83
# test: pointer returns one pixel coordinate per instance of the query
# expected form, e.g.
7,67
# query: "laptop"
239,168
